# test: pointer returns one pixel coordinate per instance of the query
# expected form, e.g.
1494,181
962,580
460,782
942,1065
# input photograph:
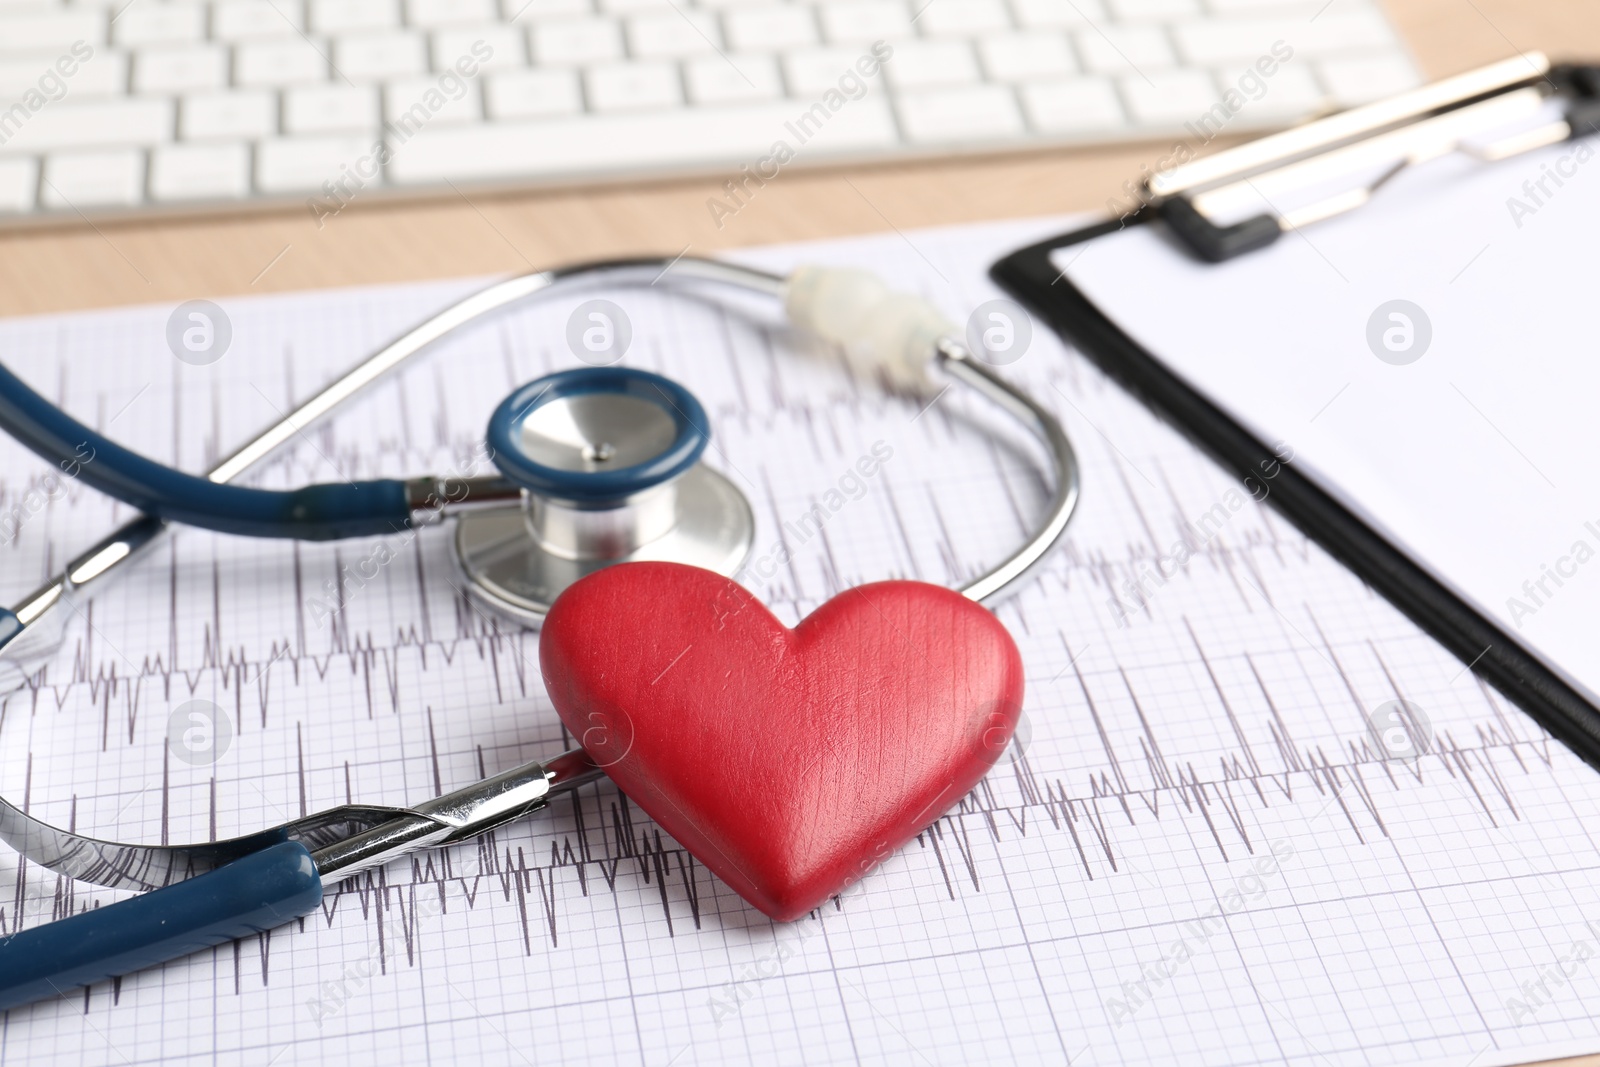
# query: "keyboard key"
303,164
1346,30
629,7
416,102
429,14
672,34
1170,97
770,27
159,23
380,56
1291,93
1026,56
1304,8
179,69
487,47
719,80
526,94
813,71
343,16
278,63
630,86
92,124
103,74
727,135
1220,42
1073,105
200,172
921,63
17,76
1362,79
79,180
572,41
960,17
1124,49
865,21
255,20
1059,15
243,114
1152,10
968,113
19,183
50,30
331,109
523,12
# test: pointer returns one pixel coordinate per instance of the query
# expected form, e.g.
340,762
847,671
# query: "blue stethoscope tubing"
206,894
326,512
330,511
32,629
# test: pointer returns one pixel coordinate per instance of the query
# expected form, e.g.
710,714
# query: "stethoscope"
596,466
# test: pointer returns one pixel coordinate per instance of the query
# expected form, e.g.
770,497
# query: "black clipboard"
1031,276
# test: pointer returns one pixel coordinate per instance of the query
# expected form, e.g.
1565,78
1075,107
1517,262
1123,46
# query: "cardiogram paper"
1195,852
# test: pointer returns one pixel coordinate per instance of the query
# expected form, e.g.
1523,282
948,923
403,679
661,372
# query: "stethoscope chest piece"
608,459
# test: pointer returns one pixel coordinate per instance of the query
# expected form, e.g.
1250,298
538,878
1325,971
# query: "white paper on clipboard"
1429,360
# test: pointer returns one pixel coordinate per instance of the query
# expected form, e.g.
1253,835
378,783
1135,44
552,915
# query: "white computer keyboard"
109,106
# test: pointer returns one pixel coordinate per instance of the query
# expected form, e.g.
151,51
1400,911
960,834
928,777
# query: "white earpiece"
876,327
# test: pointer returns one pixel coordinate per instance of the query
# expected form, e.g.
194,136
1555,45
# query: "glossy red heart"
790,762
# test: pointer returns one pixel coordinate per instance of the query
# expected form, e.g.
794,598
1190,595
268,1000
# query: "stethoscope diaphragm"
609,463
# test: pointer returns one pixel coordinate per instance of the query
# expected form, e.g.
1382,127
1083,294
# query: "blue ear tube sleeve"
314,513
255,893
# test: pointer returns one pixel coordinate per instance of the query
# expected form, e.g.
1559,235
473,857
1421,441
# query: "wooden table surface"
371,242
79,266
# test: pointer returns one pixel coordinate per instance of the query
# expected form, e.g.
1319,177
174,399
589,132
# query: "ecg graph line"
1169,748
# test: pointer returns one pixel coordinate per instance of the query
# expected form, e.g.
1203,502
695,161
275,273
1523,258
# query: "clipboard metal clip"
1244,198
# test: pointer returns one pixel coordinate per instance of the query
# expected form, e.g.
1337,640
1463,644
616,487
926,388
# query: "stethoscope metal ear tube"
1013,572
457,816
204,894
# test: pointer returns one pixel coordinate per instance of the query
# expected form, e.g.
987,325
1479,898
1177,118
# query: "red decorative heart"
790,762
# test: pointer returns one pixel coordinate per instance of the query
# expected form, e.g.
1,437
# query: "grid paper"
1196,853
